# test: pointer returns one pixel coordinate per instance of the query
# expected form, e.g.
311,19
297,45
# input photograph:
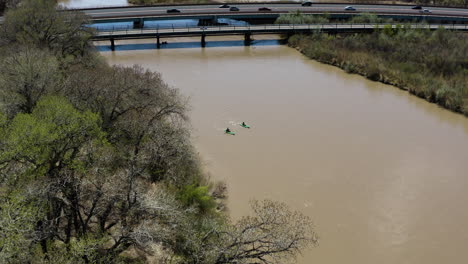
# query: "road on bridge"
157,11
133,12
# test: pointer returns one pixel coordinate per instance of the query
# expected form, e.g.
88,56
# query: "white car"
350,8
425,11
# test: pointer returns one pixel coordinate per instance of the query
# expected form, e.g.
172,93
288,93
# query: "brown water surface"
382,173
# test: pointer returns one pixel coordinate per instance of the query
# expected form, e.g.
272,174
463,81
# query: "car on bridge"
350,8
169,11
418,7
307,3
224,6
233,8
425,11
264,9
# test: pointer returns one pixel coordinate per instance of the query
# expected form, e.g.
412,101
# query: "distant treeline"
96,163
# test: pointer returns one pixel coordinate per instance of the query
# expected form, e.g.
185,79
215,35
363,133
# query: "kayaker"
228,130
243,124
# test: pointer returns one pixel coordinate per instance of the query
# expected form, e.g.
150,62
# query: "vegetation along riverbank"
430,64
96,163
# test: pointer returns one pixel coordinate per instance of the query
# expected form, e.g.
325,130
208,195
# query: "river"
383,174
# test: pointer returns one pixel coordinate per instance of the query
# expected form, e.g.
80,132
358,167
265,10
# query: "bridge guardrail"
328,26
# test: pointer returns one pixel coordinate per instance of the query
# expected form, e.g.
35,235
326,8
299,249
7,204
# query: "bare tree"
143,116
25,77
37,23
273,234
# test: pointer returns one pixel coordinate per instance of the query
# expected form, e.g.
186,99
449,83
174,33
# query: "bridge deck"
256,29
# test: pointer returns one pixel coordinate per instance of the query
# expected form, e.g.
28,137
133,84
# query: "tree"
26,76
274,234
18,216
96,202
96,161
143,116
4,4
37,23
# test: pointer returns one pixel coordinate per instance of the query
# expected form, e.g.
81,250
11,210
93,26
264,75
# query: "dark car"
224,6
308,3
173,11
264,9
417,7
350,8
233,8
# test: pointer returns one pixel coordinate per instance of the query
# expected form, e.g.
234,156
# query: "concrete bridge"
250,12
209,13
247,31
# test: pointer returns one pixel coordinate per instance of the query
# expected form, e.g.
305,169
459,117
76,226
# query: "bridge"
250,12
167,32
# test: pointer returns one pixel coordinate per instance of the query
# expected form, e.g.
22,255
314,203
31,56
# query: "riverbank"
430,65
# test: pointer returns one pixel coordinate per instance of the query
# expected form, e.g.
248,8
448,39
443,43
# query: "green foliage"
389,30
18,217
50,136
296,17
88,153
197,196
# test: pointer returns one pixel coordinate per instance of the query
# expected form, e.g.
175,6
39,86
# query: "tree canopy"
97,166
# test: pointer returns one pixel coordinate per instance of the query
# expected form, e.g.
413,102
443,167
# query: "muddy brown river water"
383,174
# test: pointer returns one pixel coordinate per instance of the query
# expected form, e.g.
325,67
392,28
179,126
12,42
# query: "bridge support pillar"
138,23
247,39
158,42
203,41
112,44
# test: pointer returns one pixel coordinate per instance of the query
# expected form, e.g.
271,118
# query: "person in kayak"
228,130
243,124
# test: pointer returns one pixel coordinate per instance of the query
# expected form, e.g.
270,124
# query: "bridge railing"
182,26
175,28
279,26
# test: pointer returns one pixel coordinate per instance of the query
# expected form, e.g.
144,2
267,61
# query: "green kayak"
230,132
246,126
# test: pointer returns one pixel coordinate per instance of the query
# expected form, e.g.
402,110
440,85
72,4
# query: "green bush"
197,196
296,17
